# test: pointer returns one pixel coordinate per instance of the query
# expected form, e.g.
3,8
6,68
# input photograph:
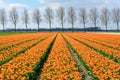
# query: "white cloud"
106,1
2,4
46,1
9,6
17,5
54,6
42,1
42,9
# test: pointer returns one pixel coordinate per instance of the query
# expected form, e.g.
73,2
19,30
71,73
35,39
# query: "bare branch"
3,18
13,14
37,17
49,16
61,16
105,16
25,18
72,17
83,16
94,16
116,16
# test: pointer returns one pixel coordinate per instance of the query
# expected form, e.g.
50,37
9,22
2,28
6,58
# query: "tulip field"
60,56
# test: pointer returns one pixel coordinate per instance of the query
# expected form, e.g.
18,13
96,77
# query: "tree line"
82,15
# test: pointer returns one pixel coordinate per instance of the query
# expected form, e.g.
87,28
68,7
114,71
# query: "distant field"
15,33
116,33
59,56
11,33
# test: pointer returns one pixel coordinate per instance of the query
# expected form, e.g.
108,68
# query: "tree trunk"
26,28
50,26
3,28
62,28
117,26
95,28
84,27
38,27
72,28
15,27
106,27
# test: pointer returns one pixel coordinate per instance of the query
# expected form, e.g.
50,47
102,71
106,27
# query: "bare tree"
116,16
61,16
14,16
72,17
3,18
25,18
83,16
94,16
105,17
37,17
49,16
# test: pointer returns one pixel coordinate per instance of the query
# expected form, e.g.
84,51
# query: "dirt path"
81,68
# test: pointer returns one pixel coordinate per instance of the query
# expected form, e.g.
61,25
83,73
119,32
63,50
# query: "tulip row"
108,38
60,64
9,41
20,67
101,67
110,52
10,53
111,41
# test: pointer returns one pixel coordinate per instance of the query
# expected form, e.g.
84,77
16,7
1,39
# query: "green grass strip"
13,33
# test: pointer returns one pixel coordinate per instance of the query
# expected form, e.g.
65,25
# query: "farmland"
11,33
60,56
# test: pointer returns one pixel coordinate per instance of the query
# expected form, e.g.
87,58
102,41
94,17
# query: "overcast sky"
54,4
